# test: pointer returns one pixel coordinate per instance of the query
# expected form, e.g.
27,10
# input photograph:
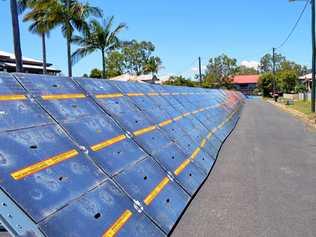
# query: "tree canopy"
95,73
138,57
114,64
266,62
179,81
243,70
286,76
98,36
265,83
220,71
132,57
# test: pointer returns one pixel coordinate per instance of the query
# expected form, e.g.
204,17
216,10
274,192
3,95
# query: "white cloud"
250,64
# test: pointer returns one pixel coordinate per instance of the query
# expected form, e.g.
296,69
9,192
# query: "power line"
295,26
189,67
266,51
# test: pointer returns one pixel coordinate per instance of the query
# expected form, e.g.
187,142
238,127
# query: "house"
246,83
151,79
30,65
307,81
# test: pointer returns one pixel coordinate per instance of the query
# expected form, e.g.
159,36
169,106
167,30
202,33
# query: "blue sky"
184,30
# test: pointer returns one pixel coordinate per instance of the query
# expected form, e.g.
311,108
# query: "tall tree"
243,70
71,15
132,57
95,73
41,24
300,70
287,74
16,35
153,65
265,83
220,71
137,56
115,64
179,81
288,80
98,37
266,62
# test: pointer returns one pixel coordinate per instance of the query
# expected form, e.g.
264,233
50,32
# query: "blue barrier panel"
141,99
223,130
145,130
186,172
192,126
169,98
104,211
148,136
160,196
146,100
63,101
194,131
85,157
60,105
186,101
158,99
108,145
202,160
119,106
16,109
39,85
175,132
42,170
213,144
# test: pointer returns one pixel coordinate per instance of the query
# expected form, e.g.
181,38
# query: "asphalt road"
263,184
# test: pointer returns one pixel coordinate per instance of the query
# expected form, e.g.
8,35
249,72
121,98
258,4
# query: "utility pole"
314,56
274,78
200,71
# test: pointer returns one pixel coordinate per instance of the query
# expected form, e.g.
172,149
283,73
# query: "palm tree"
16,35
71,15
41,24
98,37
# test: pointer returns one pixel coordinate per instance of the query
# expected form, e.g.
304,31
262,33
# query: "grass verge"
303,107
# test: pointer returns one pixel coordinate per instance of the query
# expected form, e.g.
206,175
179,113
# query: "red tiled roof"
246,79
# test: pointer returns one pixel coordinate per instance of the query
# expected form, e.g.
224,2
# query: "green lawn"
303,106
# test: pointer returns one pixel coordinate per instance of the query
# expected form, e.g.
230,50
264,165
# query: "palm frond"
22,5
81,53
96,36
94,11
40,15
77,39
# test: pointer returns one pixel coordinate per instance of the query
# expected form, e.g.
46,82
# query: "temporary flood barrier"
91,157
